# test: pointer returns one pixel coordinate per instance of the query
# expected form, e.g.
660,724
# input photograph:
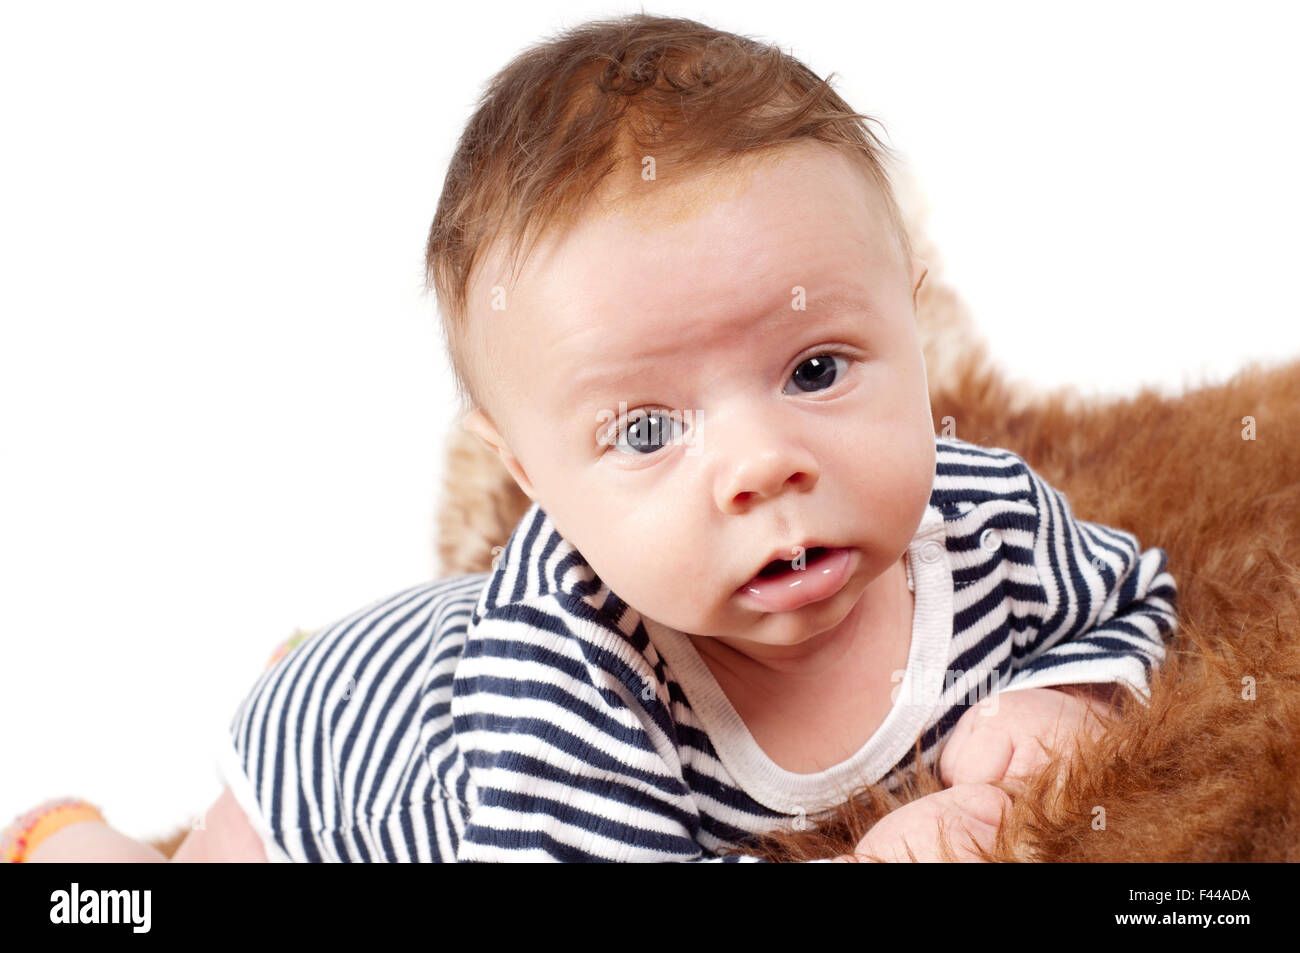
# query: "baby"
752,578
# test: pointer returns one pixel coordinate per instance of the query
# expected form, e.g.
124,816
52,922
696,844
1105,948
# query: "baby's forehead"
654,204
576,273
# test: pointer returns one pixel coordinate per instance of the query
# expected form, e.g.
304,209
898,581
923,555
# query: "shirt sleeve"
1108,606
568,748
265,763
325,754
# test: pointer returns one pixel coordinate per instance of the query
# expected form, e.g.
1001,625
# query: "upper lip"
785,554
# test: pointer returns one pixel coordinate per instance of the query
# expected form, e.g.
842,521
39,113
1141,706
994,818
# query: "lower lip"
798,587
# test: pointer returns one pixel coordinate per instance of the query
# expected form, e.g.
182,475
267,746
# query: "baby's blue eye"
816,373
647,431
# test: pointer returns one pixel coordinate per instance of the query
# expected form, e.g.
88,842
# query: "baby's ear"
919,270
479,424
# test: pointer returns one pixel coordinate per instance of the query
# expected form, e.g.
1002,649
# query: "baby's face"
690,381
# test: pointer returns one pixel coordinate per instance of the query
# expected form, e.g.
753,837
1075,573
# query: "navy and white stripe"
345,740
524,714
1109,606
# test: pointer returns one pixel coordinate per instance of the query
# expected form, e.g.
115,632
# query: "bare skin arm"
226,836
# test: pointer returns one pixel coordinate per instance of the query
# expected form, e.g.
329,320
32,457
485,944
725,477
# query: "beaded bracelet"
22,835
287,646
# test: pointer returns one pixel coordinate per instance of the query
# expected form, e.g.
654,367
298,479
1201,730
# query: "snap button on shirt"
931,552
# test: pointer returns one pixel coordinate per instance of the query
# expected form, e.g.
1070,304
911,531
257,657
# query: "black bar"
251,902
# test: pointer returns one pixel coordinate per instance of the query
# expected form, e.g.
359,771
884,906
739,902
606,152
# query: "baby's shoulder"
968,474
565,640
563,679
419,617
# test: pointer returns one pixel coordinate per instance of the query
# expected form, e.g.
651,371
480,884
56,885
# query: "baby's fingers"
970,821
977,757
966,815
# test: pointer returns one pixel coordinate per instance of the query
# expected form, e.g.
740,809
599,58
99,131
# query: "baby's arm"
92,842
226,836
1003,740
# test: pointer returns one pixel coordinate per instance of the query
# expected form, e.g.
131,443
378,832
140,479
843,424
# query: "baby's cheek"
661,585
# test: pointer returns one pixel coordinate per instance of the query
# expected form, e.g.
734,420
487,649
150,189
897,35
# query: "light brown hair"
560,117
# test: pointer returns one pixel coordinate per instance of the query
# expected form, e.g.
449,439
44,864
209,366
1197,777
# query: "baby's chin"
732,621
804,624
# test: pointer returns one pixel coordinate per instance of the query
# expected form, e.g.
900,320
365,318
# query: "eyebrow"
832,304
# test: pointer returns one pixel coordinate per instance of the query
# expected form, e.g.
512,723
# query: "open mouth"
778,566
785,585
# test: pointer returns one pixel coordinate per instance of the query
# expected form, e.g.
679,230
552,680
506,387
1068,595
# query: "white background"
224,397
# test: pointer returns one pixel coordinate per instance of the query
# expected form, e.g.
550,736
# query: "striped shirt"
528,713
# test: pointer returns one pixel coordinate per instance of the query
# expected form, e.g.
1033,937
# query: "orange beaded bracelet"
22,835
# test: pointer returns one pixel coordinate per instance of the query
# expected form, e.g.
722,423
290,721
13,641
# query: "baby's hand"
1003,737
963,813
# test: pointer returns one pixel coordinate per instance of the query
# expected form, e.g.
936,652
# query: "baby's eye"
646,432
816,373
